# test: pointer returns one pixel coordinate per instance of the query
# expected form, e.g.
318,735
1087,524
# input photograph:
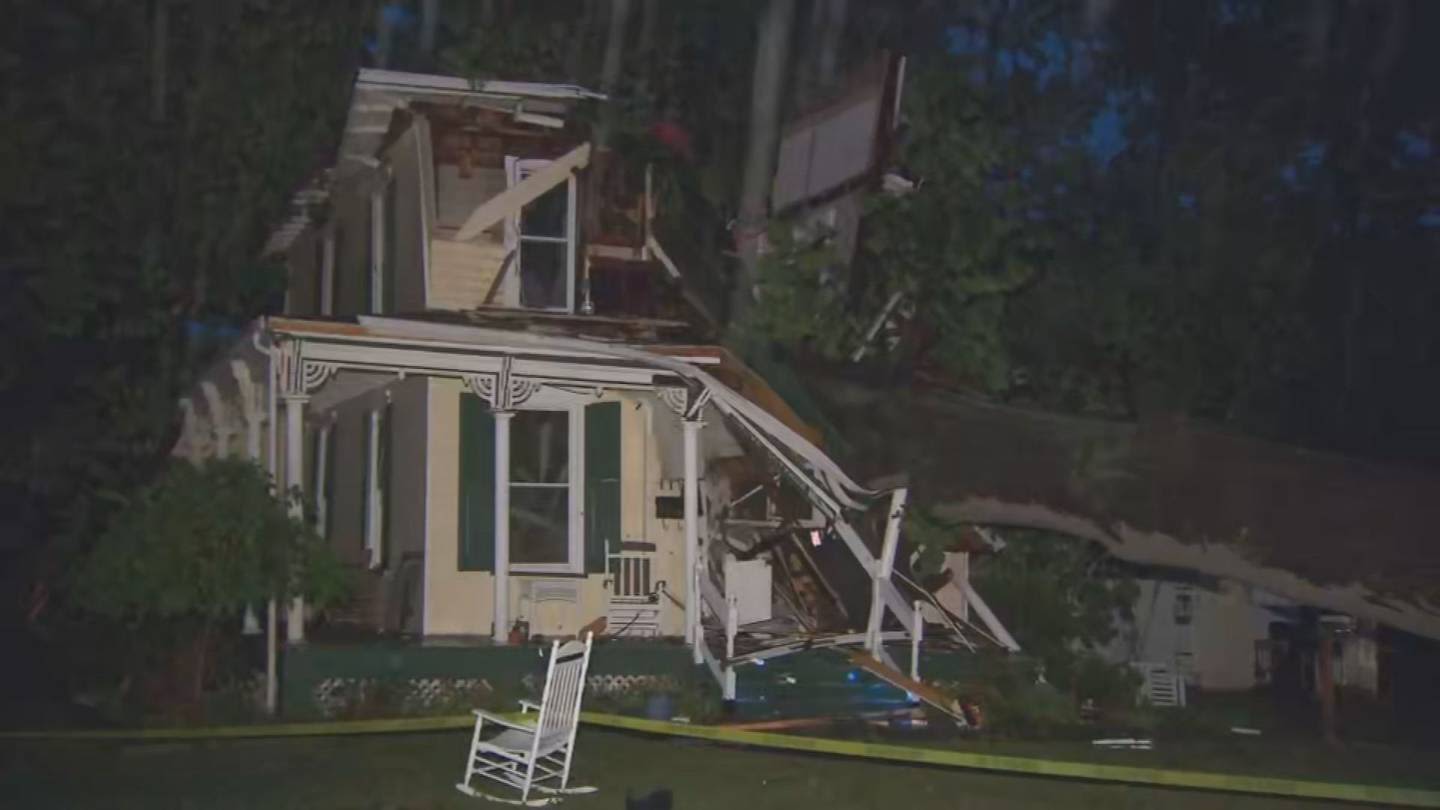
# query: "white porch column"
252,436
190,435
694,635
295,479
883,567
219,418
251,408
500,633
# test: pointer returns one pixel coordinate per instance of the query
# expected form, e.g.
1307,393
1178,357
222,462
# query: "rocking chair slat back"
564,687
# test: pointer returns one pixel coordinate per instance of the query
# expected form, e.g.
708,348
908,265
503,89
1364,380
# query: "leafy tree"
1061,598
199,545
1114,219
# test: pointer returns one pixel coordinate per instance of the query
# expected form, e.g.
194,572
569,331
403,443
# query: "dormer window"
542,238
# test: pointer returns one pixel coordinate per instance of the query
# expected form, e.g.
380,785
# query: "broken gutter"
826,479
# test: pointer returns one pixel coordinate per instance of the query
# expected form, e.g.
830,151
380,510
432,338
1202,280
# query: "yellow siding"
459,602
456,602
461,273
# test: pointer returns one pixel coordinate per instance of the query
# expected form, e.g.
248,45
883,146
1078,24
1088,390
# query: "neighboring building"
502,404
1225,636
1210,636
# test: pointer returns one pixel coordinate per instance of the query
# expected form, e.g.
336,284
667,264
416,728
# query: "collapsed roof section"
379,94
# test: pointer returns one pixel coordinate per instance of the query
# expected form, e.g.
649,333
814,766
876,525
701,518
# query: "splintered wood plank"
521,194
928,694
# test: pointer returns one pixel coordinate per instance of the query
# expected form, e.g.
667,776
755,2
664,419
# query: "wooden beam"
526,191
924,692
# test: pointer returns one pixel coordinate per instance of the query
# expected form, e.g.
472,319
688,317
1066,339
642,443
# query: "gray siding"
389,599
405,558
403,158
346,520
351,213
302,263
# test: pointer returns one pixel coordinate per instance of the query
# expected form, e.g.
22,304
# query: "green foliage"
799,304
1061,598
205,542
975,233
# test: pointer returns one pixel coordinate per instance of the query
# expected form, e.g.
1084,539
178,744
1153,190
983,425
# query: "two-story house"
497,394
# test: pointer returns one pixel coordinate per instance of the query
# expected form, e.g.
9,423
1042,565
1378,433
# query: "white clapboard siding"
461,273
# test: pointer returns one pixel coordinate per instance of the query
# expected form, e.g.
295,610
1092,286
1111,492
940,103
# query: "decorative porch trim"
686,402
503,390
296,375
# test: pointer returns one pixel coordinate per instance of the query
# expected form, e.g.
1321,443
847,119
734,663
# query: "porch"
509,479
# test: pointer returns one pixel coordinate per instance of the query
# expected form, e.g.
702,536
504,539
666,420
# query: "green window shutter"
477,485
383,471
602,482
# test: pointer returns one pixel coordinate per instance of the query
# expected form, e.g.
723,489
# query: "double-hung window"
544,490
542,235
564,484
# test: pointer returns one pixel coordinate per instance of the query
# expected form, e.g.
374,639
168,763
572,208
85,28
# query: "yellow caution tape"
1098,772
1198,780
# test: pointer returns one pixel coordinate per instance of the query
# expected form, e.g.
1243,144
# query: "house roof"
378,94
589,333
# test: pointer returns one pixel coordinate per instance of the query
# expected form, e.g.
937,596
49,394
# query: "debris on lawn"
1129,743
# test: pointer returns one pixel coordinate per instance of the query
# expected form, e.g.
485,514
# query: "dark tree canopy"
148,150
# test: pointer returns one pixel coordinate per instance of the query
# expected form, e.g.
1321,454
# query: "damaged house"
509,416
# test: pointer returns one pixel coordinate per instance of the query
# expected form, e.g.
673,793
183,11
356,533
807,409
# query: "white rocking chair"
525,756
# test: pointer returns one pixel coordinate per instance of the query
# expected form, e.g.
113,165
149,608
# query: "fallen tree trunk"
1335,532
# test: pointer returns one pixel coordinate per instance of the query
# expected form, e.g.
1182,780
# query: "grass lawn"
419,771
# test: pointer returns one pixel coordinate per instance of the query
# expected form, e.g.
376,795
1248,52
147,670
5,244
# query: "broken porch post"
694,635
882,569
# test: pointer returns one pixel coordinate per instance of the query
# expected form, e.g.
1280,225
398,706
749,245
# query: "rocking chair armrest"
526,705
498,720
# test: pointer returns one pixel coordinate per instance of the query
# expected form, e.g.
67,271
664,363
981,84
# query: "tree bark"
159,47
772,53
429,23
832,37
649,20
609,79
1320,529
614,47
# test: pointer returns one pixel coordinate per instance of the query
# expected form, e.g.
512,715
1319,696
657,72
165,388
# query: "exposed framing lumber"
511,200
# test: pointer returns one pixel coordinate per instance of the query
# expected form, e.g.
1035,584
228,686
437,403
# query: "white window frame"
374,500
516,169
552,400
